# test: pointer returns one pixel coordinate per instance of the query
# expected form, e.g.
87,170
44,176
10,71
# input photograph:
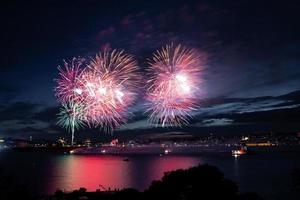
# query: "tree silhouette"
201,182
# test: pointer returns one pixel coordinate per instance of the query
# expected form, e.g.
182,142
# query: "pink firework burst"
174,79
104,89
69,84
109,84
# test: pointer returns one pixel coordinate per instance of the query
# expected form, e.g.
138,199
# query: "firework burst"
99,93
71,117
69,85
173,81
110,81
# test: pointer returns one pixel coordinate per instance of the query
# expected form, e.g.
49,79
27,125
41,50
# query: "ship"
242,151
158,149
65,150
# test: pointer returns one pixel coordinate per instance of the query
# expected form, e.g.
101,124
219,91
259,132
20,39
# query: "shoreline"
155,150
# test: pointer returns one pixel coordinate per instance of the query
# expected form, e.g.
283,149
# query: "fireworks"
71,117
69,83
174,80
98,94
110,83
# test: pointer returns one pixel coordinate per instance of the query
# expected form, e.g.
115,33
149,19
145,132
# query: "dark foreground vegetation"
200,182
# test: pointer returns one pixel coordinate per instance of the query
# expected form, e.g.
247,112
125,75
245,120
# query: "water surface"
269,174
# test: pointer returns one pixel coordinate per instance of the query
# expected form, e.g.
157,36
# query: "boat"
239,152
65,150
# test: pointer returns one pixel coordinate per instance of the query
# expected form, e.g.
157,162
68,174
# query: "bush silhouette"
201,182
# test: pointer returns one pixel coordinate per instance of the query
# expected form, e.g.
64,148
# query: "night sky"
250,82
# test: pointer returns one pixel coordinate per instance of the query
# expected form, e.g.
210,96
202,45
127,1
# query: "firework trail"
173,81
68,92
71,117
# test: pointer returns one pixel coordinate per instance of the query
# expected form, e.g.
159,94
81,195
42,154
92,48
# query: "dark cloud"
17,111
107,32
219,115
48,114
8,93
261,113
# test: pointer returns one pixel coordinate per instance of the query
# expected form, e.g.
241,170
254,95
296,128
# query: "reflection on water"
90,172
104,172
267,174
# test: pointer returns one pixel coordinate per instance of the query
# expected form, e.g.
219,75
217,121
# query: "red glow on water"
92,172
112,172
163,164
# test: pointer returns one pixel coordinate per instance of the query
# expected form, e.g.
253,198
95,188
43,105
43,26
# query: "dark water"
268,174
